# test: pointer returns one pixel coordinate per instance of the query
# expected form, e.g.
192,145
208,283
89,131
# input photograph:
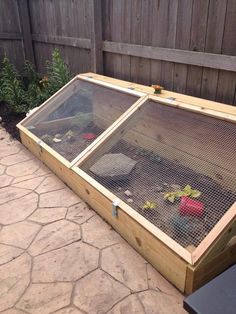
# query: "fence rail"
188,46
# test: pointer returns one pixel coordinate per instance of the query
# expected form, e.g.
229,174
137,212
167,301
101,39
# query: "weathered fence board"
188,46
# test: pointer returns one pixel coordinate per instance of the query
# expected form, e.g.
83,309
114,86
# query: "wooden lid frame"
187,263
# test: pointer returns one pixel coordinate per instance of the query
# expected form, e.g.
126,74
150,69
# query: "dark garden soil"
9,120
152,178
69,147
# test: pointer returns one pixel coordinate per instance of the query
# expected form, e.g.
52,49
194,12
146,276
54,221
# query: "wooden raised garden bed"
160,169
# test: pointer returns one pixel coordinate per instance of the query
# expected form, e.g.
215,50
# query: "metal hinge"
115,204
39,143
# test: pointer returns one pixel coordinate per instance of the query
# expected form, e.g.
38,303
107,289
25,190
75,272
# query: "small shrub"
12,89
57,73
26,92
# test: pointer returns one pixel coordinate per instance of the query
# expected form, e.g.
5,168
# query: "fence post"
24,15
96,36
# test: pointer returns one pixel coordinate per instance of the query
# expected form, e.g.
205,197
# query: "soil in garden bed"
152,177
70,148
10,120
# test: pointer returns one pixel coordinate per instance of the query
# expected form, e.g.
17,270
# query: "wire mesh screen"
71,124
175,167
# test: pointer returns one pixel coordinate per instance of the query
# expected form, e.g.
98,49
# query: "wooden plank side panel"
10,24
168,33
155,75
197,276
182,41
135,37
146,33
141,239
226,89
96,35
116,35
106,29
126,36
23,7
197,43
214,37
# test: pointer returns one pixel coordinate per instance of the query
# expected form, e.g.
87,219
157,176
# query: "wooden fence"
188,46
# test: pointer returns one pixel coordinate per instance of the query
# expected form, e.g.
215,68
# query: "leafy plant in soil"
149,205
24,92
12,88
58,73
187,191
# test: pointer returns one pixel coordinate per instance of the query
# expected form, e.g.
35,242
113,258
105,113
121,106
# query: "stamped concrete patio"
58,256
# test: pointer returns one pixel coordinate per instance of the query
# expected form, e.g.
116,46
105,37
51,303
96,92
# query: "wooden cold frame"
186,270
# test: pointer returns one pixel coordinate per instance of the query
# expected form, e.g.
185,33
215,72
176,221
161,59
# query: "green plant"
187,191
12,88
57,73
149,205
23,93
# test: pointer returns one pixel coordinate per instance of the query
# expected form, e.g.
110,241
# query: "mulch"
10,120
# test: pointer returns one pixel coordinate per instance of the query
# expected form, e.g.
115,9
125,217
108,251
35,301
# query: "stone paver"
24,168
20,234
66,264
11,193
64,197
54,236
13,311
17,210
45,298
98,292
17,158
51,183
5,180
69,310
46,215
124,264
79,213
2,169
30,184
51,241
131,304
8,253
164,303
14,279
157,282
98,233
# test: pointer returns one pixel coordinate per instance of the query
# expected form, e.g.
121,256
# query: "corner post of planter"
96,36
24,14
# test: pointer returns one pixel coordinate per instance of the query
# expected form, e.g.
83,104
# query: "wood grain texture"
186,45
96,36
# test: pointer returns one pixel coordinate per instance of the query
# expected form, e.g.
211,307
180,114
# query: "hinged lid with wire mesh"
184,178
80,112
160,170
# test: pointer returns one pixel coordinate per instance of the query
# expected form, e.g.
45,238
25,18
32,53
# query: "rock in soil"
175,187
128,193
129,200
114,167
158,188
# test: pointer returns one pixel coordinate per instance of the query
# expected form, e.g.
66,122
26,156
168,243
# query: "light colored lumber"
105,136
207,104
199,275
51,103
152,248
143,240
217,238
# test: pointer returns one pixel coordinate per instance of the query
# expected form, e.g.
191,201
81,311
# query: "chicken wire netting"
174,167
73,123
